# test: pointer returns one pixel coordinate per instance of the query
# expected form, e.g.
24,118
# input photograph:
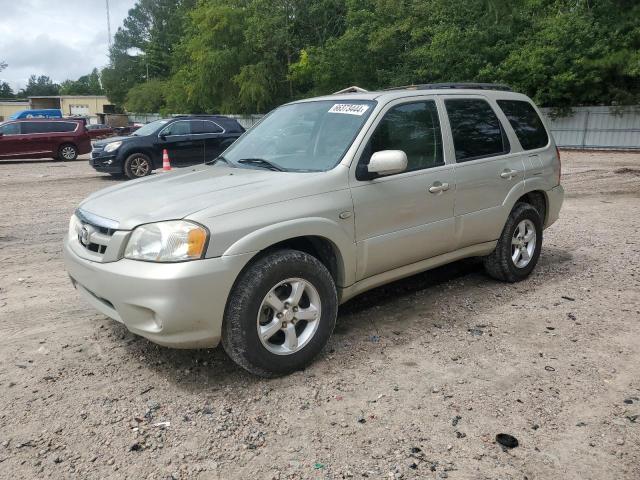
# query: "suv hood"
101,143
176,195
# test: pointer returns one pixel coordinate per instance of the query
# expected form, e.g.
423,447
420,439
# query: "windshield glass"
149,128
307,137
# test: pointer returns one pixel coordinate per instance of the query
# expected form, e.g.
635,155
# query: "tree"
3,65
153,28
40,86
146,97
5,90
85,85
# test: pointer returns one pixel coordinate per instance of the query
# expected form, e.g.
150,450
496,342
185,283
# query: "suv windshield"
306,137
149,128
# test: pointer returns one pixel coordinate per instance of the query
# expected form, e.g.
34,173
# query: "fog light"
108,162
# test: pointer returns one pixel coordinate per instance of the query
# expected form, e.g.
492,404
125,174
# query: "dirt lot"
419,378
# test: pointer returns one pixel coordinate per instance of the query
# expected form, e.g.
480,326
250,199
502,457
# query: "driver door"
184,147
406,217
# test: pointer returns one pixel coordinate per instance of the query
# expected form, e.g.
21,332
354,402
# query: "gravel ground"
417,381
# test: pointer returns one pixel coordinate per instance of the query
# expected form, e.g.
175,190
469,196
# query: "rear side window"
477,132
413,128
526,123
206,126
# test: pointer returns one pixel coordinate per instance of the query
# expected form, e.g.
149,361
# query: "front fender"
323,228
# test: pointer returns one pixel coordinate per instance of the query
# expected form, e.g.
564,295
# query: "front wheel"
137,165
518,249
280,313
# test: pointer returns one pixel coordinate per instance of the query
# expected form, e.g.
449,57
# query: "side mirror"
163,137
387,162
1,134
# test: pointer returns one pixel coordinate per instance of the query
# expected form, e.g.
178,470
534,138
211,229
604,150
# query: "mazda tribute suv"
324,199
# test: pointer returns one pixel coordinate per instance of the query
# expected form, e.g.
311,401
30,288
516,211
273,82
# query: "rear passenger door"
487,171
38,135
212,136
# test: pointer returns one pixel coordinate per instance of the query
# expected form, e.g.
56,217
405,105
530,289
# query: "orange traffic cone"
166,164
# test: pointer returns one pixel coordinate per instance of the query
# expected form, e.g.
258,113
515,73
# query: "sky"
63,39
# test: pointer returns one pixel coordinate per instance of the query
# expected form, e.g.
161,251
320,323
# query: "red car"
98,130
63,139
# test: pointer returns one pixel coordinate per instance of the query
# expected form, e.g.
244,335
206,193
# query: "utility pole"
108,25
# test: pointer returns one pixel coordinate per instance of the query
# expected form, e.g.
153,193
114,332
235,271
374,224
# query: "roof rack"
446,86
352,89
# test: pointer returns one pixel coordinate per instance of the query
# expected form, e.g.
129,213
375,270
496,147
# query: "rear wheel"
67,152
280,313
137,165
518,249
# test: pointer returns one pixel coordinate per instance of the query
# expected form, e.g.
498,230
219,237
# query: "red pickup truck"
63,139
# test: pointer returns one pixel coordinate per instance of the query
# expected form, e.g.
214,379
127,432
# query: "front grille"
93,234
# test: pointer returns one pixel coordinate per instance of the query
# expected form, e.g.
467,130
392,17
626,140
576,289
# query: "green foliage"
143,47
146,97
39,86
6,91
85,85
251,55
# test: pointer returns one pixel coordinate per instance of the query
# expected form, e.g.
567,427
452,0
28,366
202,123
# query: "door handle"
438,187
508,173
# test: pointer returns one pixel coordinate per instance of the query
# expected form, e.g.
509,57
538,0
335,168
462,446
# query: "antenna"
108,25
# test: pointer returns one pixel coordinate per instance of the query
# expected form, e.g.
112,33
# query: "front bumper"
555,198
100,161
178,305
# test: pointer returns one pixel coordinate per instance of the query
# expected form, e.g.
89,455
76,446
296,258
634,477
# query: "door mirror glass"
387,162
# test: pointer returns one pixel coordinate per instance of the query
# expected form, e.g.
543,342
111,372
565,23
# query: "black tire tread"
250,281
498,263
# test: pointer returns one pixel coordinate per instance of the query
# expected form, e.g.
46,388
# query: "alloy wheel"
523,243
289,316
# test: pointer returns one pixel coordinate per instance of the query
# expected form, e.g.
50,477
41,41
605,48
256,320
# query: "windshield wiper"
215,160
261,162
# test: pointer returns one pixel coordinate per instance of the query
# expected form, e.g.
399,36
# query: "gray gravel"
418,380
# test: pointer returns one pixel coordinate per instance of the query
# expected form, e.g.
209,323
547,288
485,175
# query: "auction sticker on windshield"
349,108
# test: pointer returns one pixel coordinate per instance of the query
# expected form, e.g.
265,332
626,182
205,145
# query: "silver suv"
322,200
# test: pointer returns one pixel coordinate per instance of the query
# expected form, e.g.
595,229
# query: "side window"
178,128
526,123
10,129
36,127
477,132
60,127
413,128
205,126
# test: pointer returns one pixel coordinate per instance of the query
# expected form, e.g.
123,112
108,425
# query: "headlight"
172,241
112,146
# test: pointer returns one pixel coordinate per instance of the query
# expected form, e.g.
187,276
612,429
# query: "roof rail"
446,86
352,89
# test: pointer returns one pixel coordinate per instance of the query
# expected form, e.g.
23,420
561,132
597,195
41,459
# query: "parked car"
42,113
257,248
63,139
189,140
99,130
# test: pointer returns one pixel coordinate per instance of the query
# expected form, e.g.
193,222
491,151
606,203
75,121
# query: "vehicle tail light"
559,165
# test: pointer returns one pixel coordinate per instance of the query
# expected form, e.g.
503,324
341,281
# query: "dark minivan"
63,139
189,140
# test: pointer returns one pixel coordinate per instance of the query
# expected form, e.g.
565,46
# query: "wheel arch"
538,200
318,237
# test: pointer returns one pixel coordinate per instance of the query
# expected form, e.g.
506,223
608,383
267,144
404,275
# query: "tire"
249,309
500,264
137,165
67,152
